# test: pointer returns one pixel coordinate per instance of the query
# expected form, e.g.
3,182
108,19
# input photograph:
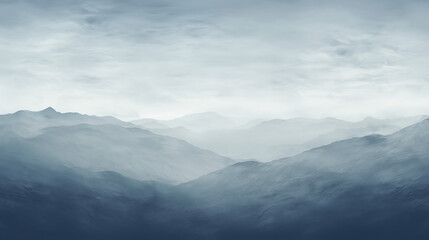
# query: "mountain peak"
49,109
48,112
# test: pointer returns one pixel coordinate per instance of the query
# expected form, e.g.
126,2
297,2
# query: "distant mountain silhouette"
197,122
278,138
29,123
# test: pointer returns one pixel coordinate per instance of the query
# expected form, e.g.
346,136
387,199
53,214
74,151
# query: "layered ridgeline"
373,187
197,122
29,123
273,139
104,144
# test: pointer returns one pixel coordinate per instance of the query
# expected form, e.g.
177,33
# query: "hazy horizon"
237,120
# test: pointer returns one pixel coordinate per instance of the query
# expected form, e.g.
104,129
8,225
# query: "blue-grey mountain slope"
132,152
374,187
46,200
107,144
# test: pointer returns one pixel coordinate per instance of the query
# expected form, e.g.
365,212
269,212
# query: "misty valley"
74,176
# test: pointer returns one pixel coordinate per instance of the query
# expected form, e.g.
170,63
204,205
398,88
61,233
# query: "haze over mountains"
106,144
28,123
371,187
270,139
331,192
197,122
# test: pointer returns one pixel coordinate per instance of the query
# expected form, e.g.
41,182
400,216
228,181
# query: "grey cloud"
168,57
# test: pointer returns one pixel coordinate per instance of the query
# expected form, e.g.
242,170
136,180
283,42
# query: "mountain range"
197,122
370,187
373,187
274,139
106,144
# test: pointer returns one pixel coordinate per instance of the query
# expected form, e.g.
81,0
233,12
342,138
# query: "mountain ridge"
98,144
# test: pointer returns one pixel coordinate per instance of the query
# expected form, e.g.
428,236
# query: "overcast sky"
162,59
